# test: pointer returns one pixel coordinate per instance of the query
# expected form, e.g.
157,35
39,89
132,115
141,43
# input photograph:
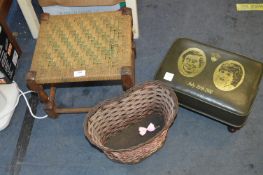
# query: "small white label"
168,76
15,57
80,73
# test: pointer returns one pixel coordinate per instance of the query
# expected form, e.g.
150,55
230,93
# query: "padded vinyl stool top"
83,47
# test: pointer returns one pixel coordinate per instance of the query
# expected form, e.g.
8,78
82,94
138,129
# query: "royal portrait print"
191,62
228,75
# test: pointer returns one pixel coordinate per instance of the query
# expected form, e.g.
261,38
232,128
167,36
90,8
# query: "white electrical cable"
27,103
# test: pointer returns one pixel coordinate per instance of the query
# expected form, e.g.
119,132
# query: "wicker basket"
137,103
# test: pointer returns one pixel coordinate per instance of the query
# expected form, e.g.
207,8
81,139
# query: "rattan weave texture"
97,44
139,102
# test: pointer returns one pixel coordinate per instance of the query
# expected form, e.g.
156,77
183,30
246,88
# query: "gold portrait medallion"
191,62
229,75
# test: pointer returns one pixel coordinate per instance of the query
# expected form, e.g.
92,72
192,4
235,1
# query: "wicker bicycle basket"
112,116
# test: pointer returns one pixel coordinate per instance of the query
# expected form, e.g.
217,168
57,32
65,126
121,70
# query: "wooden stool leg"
32,85
127,77
50,107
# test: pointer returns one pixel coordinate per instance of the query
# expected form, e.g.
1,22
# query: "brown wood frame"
4,9
127,78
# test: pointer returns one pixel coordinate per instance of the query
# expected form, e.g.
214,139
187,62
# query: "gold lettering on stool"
200,87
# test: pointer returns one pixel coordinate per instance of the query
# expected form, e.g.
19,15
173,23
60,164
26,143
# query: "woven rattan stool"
81,48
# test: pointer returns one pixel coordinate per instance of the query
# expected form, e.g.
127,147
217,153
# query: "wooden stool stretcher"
82,48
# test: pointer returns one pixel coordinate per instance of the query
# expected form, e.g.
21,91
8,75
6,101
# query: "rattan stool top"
83,47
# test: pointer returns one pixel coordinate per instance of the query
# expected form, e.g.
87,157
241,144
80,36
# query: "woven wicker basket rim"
126,94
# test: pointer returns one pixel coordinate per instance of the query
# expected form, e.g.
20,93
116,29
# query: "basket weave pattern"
98,43
139,102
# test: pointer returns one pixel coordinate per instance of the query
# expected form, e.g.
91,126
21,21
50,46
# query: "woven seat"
97,44
83,47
